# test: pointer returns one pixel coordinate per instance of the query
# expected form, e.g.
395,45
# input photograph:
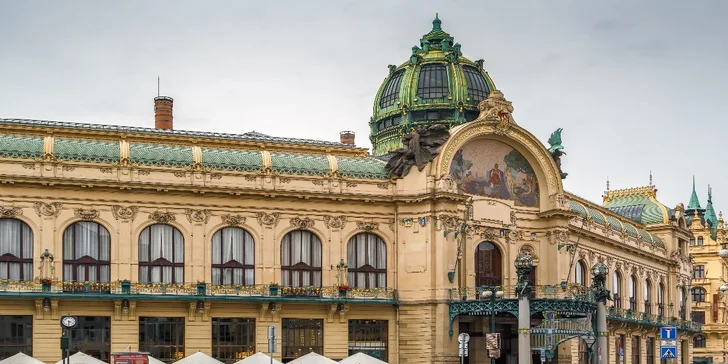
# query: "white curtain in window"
161,242
661,294
233,245
301,246
579,273
16,239
632,287
616,283
86,240
367,251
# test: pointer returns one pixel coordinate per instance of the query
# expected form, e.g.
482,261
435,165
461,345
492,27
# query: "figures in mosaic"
494,169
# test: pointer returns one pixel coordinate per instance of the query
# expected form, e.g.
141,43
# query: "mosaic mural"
494,169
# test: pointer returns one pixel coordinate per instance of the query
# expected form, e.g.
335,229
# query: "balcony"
644,318
192,291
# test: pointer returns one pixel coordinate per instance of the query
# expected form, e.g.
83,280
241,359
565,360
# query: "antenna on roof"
158,86
650,177
607,183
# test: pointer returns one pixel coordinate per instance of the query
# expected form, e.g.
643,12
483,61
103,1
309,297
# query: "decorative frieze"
10,211
233,220
367,225
198,216
86,214
48,209
335,222
302,224
124,213
268,219
162,217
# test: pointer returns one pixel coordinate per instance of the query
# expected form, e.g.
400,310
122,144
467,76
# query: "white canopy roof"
312,358
21,358
361,358
257,358
198,358
81,358
153,360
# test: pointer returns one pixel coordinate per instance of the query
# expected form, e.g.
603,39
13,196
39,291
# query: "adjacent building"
172,242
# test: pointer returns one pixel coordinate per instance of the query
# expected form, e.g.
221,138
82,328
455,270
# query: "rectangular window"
369,337
650,342
699,316
233,339
16,336
92,336
699,271
636,350
619,345
300,337
162,337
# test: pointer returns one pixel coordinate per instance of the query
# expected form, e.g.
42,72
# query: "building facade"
710,274
174,242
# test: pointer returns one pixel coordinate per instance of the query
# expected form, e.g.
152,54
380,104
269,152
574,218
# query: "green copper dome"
437,85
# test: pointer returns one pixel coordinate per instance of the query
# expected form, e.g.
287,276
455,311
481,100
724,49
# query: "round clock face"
68,321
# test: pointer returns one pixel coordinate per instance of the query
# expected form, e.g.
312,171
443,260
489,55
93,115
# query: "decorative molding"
268,219
250,178
180,174
30,166
233,220
69,168
124,213
162,217
367,225
383,186
48,209
318,182
285,180
86,215
144,172
10,211
335,222
448,222
557,236
302,224
200,216
392,223
215,176
351,184
106,169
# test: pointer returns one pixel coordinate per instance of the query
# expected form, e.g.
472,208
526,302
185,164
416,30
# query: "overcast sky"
637,86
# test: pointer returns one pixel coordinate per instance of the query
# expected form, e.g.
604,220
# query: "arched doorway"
488,265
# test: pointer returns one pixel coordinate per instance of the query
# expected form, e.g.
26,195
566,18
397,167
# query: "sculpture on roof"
422,145
557,150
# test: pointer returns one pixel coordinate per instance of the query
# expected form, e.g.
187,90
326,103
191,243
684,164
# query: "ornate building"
174,242
710,274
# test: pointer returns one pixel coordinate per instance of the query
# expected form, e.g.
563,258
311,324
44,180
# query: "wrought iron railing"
569,291
645,318
194,289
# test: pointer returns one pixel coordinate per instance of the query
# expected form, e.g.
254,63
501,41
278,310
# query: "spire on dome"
710,218
694,201
436,24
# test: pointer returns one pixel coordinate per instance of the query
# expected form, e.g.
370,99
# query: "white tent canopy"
21,358
153,360
81,358
198,358
361,358
257,358
312,358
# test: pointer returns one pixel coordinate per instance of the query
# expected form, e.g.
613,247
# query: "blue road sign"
668,353
668,333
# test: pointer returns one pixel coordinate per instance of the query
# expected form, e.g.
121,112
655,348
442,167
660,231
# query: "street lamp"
492,293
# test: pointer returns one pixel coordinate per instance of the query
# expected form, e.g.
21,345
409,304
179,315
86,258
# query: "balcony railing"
645,318
127,288
570,291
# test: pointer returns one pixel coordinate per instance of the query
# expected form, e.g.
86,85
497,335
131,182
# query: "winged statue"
557,150
422,144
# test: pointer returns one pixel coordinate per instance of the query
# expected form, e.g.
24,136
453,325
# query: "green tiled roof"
232,160
21,146
694,203
603,219
82,150
362,168
638,206
160,155
287,163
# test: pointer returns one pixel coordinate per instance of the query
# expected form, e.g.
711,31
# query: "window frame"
99,328
232,264
86,261
390,93
367,268
426,88
302,268
239,349
8,345
161,261
176,327
360,335
11,259
291,334
699,342
697,294
617,289
476,94
698,271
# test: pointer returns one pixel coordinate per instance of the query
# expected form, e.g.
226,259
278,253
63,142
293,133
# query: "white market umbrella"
21,358
81,358
257,358
153,360
361,358
312,358
198,358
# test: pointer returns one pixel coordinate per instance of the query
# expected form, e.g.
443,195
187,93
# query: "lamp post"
492,293
601,295
524,287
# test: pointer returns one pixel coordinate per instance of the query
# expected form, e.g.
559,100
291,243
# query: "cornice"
619,245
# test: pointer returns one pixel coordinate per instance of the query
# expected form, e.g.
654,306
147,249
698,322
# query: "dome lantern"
437,85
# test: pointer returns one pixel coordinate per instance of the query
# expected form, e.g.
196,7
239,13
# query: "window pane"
86,252
233,339
433,82
161,255
391,90
300,337
233,257
92,336
369,337
367,260
301,259
162,337
16,250
477,87
16,336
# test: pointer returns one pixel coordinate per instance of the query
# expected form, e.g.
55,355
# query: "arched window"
233,257
700,240
661,299
301,259
633,293
488,265
477,87
433,82
698,294
16,250
692,241
86,252
580,273
367,259
161,255
391,90
648,296
617,289
699,341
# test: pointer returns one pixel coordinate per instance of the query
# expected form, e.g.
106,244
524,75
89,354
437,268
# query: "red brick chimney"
163,112
347,137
